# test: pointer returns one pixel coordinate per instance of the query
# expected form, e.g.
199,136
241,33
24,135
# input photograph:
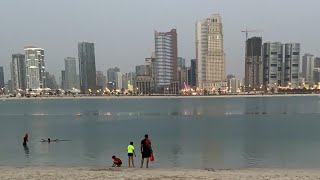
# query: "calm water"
192,133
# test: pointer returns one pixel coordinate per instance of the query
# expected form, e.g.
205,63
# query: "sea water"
237,132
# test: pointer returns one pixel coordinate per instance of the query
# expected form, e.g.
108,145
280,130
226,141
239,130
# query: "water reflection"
26,150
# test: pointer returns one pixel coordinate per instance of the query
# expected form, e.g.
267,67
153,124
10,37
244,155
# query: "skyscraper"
111,75
272,54
192,74
70,73
308,61
2,85
291,65
281,64
182,72
51,81
63,80
317,62
150,66
101,80
210,52
18,72
253,63
229,77
181,62
316,75
125,81
166,54
87,67
118,78
35,67
141,70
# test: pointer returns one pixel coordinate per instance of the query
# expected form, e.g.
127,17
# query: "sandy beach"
97,173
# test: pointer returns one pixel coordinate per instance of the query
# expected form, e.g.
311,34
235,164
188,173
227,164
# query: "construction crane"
247,32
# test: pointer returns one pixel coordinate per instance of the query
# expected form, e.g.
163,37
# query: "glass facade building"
166,58
18,72
87,67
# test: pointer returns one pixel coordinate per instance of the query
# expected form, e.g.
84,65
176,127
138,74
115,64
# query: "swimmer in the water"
49,140
55,140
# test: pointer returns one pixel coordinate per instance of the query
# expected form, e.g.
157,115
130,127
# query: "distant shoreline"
52,173
156,97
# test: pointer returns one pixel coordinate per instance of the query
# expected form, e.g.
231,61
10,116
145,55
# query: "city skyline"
109,52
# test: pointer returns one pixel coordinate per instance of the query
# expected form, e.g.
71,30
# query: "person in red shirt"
116,162
146,150
25,139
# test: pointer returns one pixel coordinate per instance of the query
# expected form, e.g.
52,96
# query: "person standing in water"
146,150
25,139
130,154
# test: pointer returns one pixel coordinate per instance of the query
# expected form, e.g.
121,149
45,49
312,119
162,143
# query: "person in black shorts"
131,152
146,150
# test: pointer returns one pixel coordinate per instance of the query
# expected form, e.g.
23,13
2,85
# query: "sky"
123,30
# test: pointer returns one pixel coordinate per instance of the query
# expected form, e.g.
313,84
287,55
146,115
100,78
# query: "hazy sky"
122,30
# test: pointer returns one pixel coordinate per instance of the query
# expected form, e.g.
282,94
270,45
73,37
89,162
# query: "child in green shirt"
130,154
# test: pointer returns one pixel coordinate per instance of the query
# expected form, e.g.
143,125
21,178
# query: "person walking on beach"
116,162
130,154
146,150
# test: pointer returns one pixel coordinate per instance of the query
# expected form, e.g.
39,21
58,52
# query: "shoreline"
157,97
51,173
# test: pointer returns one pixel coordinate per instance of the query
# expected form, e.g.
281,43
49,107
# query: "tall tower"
70,73
18,72
2,85
87,67
272,54
308,64
209,52
253,63
63,80
291,65
35,67
166,54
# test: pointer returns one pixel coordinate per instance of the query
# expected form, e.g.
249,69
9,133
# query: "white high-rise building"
35,67
118,78
307,67
272,53
281,64
209,52
291,65
166,54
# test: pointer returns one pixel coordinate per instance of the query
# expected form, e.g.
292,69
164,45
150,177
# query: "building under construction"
253,64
